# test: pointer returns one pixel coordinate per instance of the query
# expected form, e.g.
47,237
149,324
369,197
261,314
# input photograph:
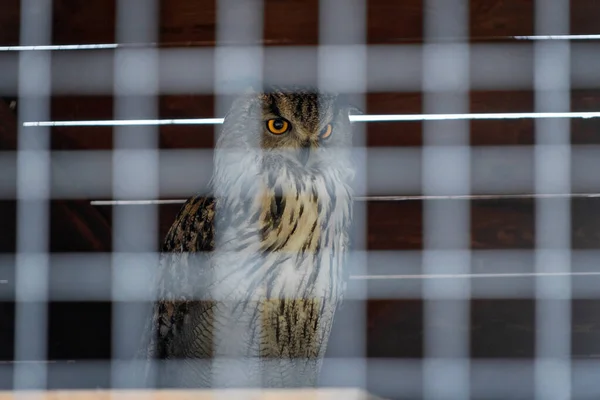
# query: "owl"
250,277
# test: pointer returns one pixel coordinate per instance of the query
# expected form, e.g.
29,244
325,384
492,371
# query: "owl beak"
304,153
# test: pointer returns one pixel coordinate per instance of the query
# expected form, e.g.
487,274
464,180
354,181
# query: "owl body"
251,278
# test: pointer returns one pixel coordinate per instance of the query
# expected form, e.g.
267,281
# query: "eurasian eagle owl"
251,276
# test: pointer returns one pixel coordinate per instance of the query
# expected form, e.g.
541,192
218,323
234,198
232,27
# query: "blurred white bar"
502,171
553,216
61,47
353,118
33,192
494,274
469,276
133,122
446,225
134,202
472,116
390,68
342,64
558,37
234,70
135,169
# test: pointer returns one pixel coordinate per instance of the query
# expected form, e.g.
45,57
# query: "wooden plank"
292,21
498,329
585,15
190,106
8,227
8,127
75,226
78,226
187,21
507,224
8,209
75,108
495,224
79,108
90,341
10,22
492,18
7,331
393,21
585,131
83,21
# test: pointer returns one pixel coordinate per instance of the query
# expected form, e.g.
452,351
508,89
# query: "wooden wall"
501,328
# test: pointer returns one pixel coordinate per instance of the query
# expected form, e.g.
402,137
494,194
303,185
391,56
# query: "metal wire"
447,274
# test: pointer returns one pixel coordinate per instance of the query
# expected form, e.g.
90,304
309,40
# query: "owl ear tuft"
353,110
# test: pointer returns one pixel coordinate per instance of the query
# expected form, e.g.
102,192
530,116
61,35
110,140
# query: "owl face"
295,132
303,128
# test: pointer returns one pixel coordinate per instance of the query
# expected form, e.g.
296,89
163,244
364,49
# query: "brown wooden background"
499,328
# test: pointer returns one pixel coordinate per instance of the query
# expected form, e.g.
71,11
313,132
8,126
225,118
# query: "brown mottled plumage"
251,277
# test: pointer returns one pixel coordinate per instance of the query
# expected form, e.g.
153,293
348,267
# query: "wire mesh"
446,173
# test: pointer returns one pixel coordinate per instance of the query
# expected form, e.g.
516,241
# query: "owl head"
299,129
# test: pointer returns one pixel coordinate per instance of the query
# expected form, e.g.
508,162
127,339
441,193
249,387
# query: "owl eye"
278,126
326,132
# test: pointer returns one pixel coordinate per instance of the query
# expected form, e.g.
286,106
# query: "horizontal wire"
132,122
61,47
558,37
381,198
490,275
353,118
109,46
5,362
471,116
134,202
481,196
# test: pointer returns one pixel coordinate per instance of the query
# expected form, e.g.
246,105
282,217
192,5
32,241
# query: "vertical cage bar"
33,193
238,68
446,223
553,216
342,68
135,174
238,49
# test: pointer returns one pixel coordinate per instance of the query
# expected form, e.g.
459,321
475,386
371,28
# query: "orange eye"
326,132
278,126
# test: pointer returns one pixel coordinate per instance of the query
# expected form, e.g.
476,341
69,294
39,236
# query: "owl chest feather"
297,215
290,222
292,253
287,237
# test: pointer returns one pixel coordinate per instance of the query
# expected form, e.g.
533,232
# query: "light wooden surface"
225,394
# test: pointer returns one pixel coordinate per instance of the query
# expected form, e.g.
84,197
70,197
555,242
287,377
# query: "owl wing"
182,267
